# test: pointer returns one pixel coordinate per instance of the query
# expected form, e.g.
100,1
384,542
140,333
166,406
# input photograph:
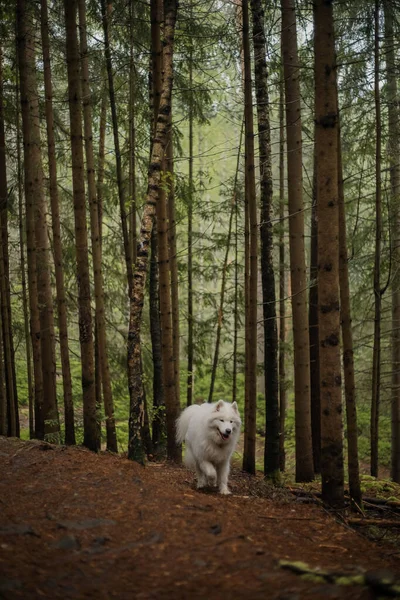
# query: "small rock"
67,542
215,529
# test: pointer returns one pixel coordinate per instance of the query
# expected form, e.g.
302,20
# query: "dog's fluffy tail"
182,423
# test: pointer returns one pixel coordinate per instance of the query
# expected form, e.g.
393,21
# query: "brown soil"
74,524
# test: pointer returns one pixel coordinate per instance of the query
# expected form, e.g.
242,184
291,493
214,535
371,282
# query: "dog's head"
225,421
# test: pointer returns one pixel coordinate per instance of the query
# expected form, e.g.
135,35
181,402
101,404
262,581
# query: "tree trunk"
155,81
394,153
78,184
190,350
159,432
271,454
376,358
304,462
22,241
326,120
347,337
282,279
173,258
313,329
111,434
249,456
5,300
135,450
42,322
132,141
55,219
224,274
121,195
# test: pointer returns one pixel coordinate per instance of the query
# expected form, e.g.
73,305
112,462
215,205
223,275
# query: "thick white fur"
209,445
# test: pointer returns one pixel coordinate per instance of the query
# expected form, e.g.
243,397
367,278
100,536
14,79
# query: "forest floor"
74,524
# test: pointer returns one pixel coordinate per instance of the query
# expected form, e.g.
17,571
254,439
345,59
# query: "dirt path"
78,525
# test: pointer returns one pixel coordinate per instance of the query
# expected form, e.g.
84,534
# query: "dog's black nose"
228,431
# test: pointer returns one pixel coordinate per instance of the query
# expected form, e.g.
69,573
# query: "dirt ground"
74,524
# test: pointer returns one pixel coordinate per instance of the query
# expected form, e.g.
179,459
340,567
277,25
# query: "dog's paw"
225,491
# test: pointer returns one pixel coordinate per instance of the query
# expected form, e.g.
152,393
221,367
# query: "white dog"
211,432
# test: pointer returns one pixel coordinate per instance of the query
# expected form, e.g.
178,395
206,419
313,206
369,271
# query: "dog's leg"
209,474
223,474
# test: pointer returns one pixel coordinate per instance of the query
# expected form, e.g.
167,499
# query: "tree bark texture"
41,309
282,278
190,318
347,340
326,120
78,183
394,153
249,458
11,402
111,434
55,220
313,329
136,419
376,356
304,462
271,454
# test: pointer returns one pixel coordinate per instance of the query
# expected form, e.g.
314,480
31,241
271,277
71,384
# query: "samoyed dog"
210,432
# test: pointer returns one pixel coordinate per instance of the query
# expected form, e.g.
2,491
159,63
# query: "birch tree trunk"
136,419
282,278
304,462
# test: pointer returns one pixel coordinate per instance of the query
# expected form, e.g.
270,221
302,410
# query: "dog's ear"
219,405
235,407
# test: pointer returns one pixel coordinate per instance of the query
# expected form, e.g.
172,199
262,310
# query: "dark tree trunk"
304,461
55,219
111,434
313,330
249,456
271,454
394,152
326,120
106,11
376,358
90,417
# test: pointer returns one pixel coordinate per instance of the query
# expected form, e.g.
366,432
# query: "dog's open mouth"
224,436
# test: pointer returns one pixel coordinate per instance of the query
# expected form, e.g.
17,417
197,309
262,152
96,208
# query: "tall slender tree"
112,445
5,300
376,357
249,450
106,15
190,348
79,197
135,450
271,454
394,153
347,337
42,319
326,120
304,462
55,220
